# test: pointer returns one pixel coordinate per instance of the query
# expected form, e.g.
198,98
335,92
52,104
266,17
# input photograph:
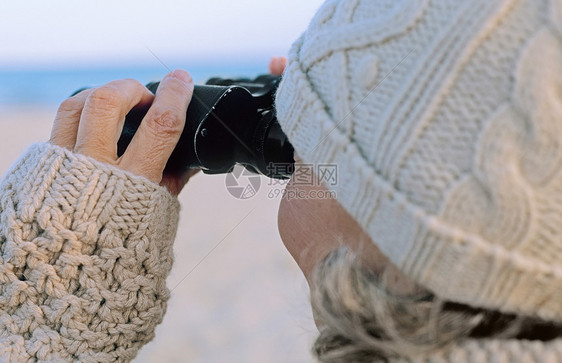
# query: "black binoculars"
229,122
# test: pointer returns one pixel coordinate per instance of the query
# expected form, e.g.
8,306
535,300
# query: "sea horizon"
47,87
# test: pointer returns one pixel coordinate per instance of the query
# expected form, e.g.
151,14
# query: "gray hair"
360,320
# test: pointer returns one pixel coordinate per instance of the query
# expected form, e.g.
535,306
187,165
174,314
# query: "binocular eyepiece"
228,122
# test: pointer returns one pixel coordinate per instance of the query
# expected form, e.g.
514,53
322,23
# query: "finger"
161,128
65,126
103,116
277,65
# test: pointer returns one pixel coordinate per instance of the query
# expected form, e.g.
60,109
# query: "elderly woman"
443,118
444,241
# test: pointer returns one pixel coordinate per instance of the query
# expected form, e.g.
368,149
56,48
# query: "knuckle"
105,97
132,81
165,123
136,84
70,105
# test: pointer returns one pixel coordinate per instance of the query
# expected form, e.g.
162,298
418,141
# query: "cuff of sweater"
93,246
82,187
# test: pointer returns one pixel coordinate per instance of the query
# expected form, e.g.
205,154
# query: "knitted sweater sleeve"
85,249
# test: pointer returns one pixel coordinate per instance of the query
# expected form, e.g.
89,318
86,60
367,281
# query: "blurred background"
237,295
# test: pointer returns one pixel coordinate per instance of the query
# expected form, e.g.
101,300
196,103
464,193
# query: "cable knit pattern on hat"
494,351
444,118
85,249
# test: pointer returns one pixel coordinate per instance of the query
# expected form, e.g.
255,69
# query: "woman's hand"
90,123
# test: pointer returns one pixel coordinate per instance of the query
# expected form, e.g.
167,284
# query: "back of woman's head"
444,120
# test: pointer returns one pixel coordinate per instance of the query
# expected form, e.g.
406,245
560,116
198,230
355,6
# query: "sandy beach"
237,295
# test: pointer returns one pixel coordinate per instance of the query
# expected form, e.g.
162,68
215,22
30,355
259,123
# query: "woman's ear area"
304,225
312,227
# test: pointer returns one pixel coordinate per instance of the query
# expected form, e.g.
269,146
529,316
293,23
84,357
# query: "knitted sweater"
85,249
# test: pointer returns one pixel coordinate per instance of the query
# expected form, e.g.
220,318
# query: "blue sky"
58,33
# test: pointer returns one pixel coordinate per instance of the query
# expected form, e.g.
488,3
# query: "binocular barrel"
228,122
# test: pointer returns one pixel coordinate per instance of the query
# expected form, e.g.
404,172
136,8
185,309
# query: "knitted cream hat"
444,118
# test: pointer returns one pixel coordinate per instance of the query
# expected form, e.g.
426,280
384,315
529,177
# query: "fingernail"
181,75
